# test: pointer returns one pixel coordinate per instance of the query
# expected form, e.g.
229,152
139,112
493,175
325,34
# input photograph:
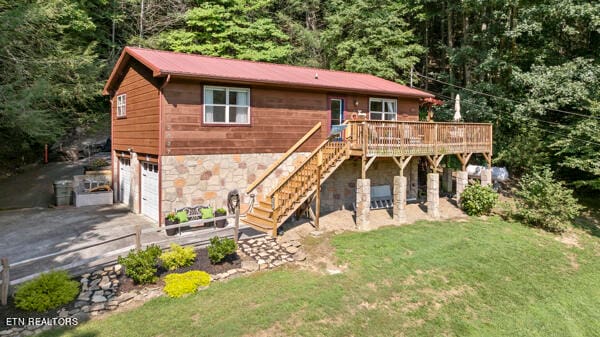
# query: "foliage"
171,216
99,163
544,202
207,213
221,211
47,291
220,248
478,200
177,285
181,216
49,74
371,37
141,266
237,29
178,257
427,273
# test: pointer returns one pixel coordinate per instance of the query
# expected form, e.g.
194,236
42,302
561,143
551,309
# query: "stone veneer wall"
206,179
339,191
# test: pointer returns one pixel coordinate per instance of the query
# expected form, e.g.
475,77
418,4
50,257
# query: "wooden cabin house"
187,129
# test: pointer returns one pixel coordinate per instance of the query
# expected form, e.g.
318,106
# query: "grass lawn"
473,278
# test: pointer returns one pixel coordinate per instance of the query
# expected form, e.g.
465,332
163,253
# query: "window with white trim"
383,109
225,105
121,105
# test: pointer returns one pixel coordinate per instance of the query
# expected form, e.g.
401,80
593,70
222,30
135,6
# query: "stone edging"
99,288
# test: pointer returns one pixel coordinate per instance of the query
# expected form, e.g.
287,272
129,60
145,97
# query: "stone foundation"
206,179
447,180
338,192
486,177
399,212
363,203
462,180
433,195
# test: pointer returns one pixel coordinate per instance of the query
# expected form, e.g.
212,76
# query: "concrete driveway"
28,233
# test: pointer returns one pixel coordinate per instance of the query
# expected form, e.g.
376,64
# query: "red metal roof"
163,63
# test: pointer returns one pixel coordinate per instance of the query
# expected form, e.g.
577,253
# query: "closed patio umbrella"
457,116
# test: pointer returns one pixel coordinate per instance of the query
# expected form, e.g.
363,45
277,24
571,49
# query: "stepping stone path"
268,253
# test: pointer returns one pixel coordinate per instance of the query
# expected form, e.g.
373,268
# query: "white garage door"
150,190
124,180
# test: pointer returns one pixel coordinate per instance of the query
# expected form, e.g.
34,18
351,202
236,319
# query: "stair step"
264,204
262,211
259,218
257,224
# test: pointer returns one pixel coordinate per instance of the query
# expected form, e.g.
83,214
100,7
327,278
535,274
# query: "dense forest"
531,67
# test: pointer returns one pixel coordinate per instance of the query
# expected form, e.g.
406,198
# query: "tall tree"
241,29
48,75
371,36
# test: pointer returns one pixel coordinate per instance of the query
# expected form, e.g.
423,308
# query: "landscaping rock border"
99,289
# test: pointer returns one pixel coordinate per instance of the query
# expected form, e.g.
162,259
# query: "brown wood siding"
139,130
279,117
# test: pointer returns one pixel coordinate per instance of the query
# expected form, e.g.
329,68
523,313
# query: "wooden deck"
399,138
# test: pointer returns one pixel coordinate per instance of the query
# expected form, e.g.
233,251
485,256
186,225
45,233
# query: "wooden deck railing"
398,138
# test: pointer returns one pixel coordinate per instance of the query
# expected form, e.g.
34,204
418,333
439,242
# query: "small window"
224,105
382,109
121,105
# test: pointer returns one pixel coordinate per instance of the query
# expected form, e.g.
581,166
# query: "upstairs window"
121,105
224,105
382,109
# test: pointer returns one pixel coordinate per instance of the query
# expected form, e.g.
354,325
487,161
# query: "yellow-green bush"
177,285
47,291
178,257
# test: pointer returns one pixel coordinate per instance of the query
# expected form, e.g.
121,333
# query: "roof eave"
421,94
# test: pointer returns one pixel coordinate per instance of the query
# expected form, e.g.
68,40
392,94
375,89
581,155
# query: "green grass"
474,278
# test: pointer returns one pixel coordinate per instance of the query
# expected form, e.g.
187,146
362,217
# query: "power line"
567,136
504,98
474,104
535,126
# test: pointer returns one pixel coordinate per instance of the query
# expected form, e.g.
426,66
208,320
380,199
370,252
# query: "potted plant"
174,219
221,212
170,220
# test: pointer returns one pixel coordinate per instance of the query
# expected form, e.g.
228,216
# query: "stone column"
433,195
447,180
399,199
363,203
486,177
462,179
413,172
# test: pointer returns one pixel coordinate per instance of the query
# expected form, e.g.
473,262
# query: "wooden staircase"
298,187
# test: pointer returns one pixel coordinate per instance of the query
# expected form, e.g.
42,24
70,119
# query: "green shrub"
220,248
177,285
178,257
478,200
543,202
141,266
47,291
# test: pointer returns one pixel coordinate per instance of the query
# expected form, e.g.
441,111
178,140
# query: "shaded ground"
34,187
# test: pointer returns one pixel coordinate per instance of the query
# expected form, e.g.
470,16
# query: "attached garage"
125,181
149,188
